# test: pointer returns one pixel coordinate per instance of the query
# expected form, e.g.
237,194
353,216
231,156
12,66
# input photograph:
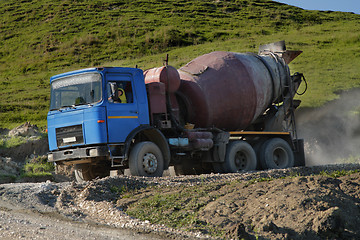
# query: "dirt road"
18,223
27,211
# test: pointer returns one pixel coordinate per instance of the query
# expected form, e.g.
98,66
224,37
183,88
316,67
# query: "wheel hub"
240,160
150,163
280,157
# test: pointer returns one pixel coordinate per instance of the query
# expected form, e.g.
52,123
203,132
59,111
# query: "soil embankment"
275,204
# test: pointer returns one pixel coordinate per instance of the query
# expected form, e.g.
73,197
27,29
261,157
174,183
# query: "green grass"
119,190
349,159
43,38
37,167
338,173
177,209
7,178
257,180
12,142
36,174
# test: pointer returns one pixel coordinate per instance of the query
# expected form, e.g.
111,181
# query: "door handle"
134,112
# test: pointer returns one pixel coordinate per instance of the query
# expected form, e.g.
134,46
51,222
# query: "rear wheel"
146,160
276,153
240,156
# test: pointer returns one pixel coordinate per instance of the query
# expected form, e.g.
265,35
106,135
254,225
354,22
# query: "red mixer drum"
231,90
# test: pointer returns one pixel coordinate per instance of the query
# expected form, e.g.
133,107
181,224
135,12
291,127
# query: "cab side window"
120,92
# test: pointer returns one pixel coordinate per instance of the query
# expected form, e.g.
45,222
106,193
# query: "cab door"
122,112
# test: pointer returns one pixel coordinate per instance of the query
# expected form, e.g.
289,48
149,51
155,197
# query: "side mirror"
113,91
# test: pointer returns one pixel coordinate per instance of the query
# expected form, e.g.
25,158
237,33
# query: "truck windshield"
75,90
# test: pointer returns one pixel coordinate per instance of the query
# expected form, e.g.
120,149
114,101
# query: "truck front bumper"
78,153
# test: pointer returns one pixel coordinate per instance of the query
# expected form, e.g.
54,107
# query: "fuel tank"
166,74
231,90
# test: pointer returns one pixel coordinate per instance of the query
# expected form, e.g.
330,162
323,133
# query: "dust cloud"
332,132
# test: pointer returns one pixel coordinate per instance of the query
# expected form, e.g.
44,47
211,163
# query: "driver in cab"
118,96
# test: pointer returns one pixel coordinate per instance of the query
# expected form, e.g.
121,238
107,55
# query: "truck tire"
146,160
276,153
240,156
87,171
83,172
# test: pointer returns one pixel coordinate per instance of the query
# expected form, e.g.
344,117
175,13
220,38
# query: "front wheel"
146,160
87,171
276,153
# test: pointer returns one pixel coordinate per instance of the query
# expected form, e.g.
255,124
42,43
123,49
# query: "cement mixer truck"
223,112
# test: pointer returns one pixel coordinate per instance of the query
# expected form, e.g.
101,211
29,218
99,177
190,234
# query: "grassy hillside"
41,38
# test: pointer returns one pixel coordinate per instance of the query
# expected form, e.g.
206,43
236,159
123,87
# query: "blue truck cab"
97,116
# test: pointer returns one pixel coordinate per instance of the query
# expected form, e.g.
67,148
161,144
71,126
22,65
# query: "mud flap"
299,153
